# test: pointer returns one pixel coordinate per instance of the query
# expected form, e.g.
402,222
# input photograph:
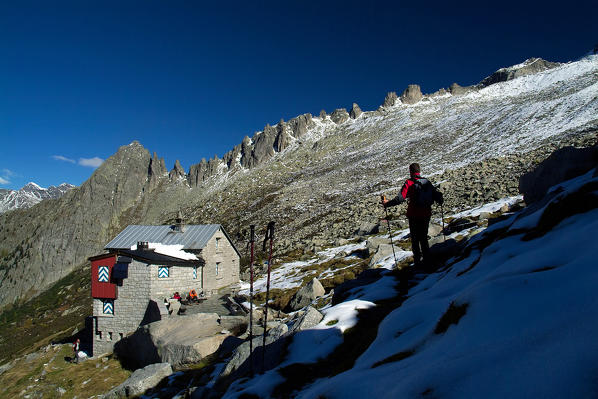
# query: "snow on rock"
526,324
174,250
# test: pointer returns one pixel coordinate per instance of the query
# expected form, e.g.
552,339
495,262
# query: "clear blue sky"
189,80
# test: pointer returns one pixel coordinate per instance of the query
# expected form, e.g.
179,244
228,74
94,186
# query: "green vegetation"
49,374
51,316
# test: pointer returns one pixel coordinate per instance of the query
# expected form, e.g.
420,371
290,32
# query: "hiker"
177,296
76,346
421,194
193,296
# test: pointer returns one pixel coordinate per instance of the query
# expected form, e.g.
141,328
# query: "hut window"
217,243
194,272
108,306
218,269
163,272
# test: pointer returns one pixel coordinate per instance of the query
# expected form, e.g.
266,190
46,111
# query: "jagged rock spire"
411,95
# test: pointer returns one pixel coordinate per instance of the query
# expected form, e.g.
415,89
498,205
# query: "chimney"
142,245
179,226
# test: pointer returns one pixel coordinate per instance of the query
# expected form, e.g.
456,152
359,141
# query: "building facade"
147,264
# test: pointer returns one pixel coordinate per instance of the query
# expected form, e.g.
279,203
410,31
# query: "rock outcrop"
528,67
390,99
177,340
307,294
411,95
177,171
339,116
355,111
562,165
140,381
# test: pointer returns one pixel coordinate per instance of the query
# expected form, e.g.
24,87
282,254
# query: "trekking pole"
270,236
251,242
389,232
442,218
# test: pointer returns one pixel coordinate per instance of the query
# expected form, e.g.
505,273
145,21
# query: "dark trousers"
418,230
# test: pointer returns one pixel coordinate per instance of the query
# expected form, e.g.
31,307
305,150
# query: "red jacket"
406,193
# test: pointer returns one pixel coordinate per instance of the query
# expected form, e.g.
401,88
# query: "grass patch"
50,375
453,314
332,322
51,316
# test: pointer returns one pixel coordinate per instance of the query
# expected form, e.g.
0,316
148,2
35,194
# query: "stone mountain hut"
146,264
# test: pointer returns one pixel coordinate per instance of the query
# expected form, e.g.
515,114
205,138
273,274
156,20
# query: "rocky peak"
457,90
355,111
177,171
390,99
411,95
339,116
528,67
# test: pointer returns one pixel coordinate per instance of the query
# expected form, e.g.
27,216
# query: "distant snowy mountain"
29,195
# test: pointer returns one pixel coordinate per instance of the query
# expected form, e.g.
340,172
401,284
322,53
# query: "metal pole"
251,242
389,232
270,235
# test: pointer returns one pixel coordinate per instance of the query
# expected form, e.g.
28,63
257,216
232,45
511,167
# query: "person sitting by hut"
177,296
193,296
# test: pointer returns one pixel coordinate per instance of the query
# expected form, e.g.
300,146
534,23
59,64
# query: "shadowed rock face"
562,165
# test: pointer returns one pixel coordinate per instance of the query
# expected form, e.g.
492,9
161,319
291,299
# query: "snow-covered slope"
29,195
515,316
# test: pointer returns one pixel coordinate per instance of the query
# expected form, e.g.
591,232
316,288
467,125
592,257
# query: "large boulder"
307,294
561,165
239,365
140,381
384,250
411,95
368,228
373,243
184,340
311,317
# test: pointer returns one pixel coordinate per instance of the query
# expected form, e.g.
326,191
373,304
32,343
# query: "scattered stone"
140,381
457,90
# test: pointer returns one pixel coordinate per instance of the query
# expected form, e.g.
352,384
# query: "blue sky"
189,80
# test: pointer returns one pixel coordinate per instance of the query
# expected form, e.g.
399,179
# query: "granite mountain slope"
318,177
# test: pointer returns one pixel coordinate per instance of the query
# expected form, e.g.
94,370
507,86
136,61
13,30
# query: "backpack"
423,193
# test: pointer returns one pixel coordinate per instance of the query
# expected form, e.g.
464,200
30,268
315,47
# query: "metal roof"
194,236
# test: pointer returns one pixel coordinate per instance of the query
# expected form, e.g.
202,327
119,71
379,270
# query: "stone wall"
222,263
180,279
129,309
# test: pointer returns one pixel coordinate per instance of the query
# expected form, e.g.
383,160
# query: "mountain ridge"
319,185
30,194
